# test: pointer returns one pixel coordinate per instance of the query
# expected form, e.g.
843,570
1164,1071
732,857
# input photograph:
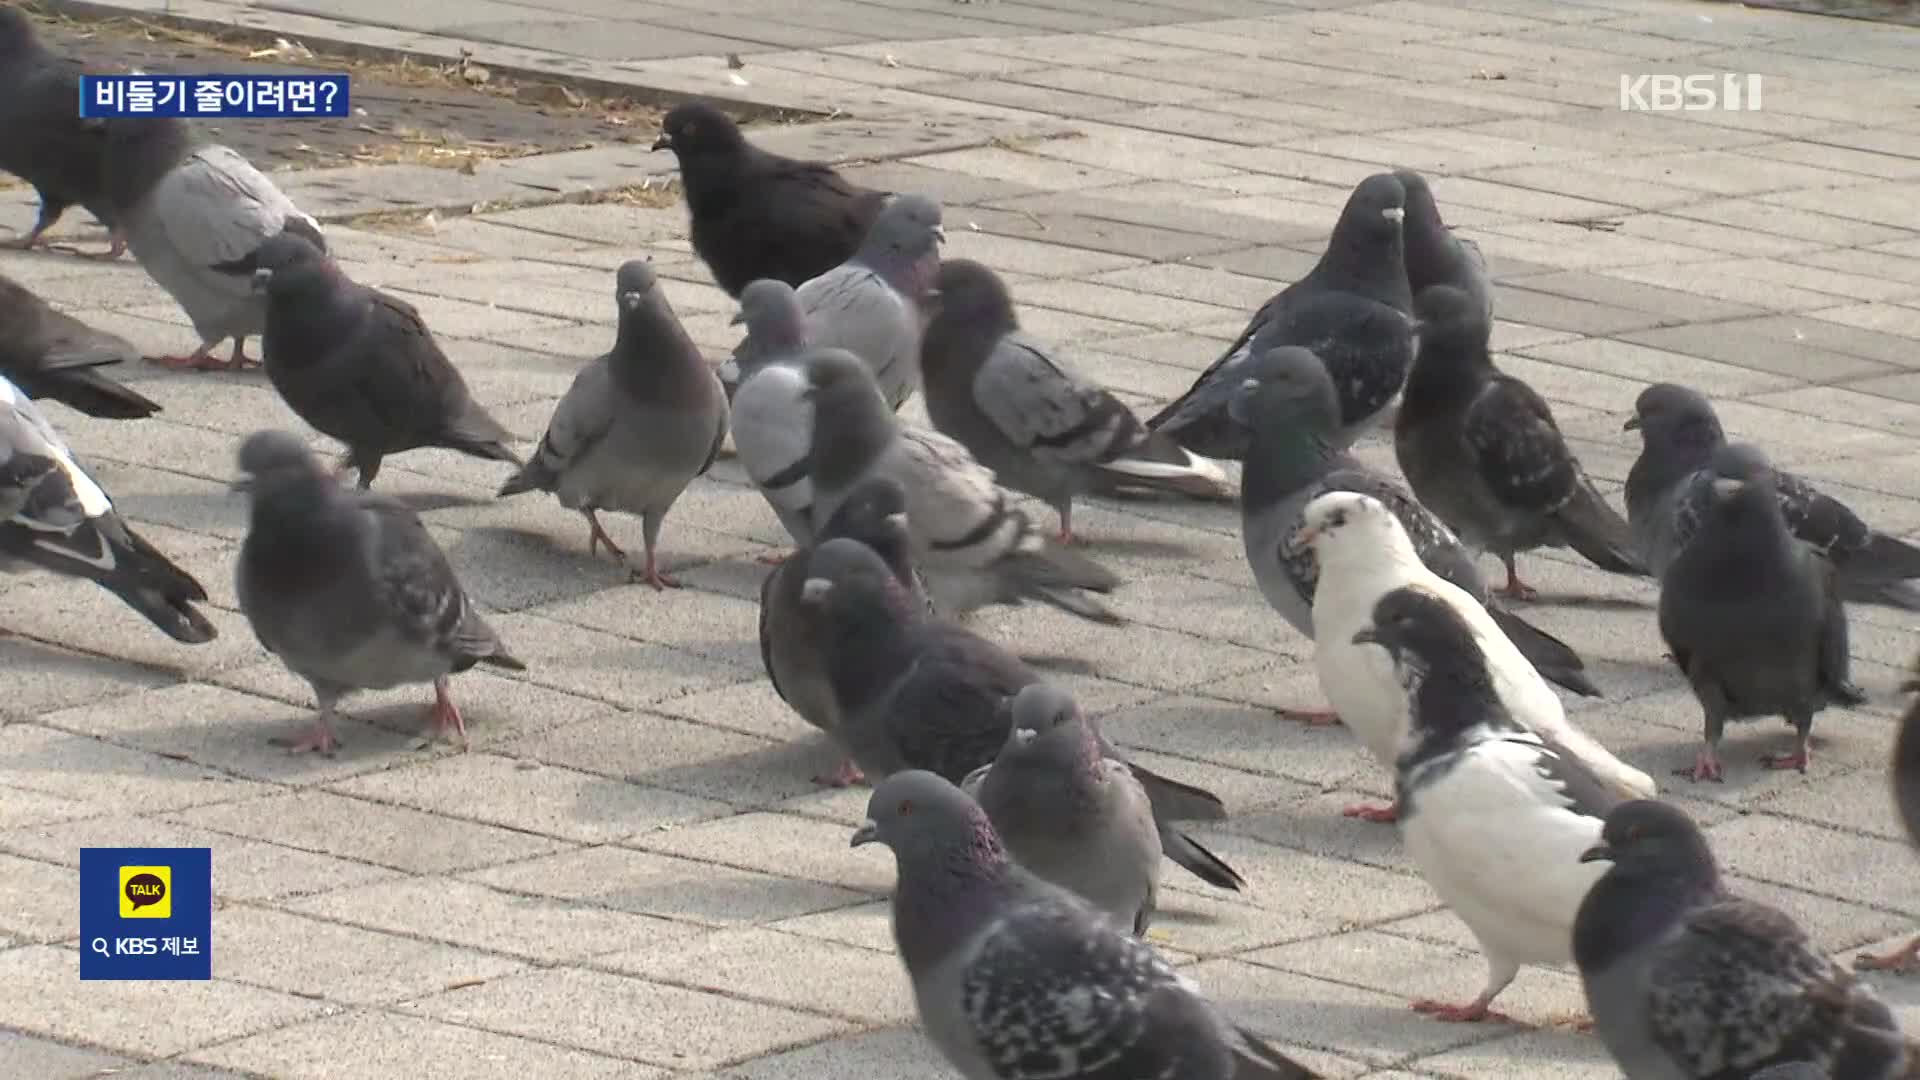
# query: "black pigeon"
1481,450
759,215
1686,981
361,366
43,140
1906,797
52,355
1353,309
1667,492
917,692
1752,616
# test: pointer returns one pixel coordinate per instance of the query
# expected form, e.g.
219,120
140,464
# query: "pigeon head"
1670,414
971,295
1047,721
1656,841
836,374
632,283
926,821
907,228
16,32
874,513
1286,386
847,580
1742,473
1373,217
1452,327
1419,203
272,460
772,314
286,262
697,128
1348,524
1421,631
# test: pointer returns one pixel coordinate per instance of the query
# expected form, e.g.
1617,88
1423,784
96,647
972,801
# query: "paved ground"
631,875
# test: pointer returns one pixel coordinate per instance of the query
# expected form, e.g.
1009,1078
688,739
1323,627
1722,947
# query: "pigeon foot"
320,740
1515,589
240,361
1311,717
1798,760
116,247
597,535
774,560
847,775
1901,961
1473,1012
201,360
652,576
1706,766
1379,813
445,715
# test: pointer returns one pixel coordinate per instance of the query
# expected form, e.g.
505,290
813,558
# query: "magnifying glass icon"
99,945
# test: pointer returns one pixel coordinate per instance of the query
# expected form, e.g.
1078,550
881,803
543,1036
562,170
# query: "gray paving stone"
385,835
643,883
313,958
867,987
384,1044
33,1056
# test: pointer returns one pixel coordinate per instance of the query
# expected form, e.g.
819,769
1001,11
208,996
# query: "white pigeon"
1363,553
1495,818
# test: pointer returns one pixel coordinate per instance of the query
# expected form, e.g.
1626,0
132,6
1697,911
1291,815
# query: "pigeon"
1494,815
1481,450
1436,255
874,304
56,518
1044,430
773,433
195,214
1069,814
1353,310
790,646
54,356
1668,492
361,366
759,215
1686,981
1289,408
1018,979
349,589
1363,553
1752,617
637,425
776,332
917,692
973,547
43,139
1906,799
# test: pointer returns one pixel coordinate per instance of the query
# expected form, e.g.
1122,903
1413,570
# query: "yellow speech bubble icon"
146,892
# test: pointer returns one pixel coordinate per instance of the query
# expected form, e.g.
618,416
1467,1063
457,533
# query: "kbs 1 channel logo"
292,97
146,913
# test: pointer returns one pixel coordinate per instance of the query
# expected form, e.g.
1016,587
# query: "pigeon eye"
905,807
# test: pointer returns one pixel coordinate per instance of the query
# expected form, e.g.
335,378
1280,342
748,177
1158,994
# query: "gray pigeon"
51,355
1481,450
1069,814
1752,617
872,305
1906,799
1495,816
973,546
1668,491
773,434
776,332
917,692
194,213
349,589
1017,979
1688,982
43,140
1436,255
637,425
1291,413
1353,310
790,645
1039,426
54,517
361,366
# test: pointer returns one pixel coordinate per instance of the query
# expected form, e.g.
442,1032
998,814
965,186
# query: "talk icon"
146,892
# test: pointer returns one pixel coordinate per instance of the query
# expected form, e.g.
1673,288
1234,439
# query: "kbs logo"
146,892
1690,93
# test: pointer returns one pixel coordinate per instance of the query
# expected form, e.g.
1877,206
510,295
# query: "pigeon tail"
1162,464
535,475
1904,595
149,583
1554,659
1598,533
1886,559
1175,801
87,390
1198,861
1071,601
481,446
1060,577
1258,1060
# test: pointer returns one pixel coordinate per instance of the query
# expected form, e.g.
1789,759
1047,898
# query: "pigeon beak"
1305,536
241,484
260,279
1726,487
1597,853
814,590
664,142
1394,214
1023,736
898,520
1366,635
1632,424
867,833
739,317
631,300
939,234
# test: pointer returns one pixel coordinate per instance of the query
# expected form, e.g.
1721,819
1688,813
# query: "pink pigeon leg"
1311,717
847,775
200,359
445,715
1706,766
597,535
1904,960
1378,813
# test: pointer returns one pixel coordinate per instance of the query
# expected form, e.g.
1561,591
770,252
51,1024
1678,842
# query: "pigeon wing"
1519,452
1043,408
